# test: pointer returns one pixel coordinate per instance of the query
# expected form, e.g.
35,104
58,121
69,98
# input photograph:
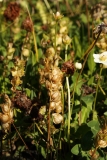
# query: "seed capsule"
57,118
5,118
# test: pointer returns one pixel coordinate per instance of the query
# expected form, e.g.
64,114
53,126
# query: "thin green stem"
34,35
48,6
98,83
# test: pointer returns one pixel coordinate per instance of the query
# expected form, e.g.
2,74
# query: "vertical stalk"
48,129
68,90
69,112
34,36
98,83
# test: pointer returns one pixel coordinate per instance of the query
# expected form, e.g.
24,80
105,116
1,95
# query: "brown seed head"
27,24
12,11
68,67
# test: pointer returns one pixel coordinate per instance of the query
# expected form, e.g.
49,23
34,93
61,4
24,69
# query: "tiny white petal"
101,58
96,56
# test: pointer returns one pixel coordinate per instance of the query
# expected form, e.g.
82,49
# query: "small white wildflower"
57,16
78,65
101,58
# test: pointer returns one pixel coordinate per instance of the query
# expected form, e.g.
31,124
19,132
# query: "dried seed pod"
58,109
55,96
11,114
52,105
5,108
57,118
4,118
55,78
7,100
48,84
5,126
56,86
50,52
102,143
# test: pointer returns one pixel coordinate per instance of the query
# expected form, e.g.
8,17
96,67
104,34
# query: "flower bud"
78,65
66,40
57,16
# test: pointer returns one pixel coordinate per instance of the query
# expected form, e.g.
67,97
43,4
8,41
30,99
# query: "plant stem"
34,35
69,113
96,91
48,6
68,88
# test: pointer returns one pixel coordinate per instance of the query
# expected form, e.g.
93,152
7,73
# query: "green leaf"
83,18
77,47
88,100
43,152
85,114
76,149
105,102
78,85
91,63
95,126
83,129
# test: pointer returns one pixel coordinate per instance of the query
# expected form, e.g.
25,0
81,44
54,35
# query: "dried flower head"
12,11
102,27
27,24
21,101
68,67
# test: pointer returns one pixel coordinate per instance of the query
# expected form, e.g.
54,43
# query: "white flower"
78,65
101,58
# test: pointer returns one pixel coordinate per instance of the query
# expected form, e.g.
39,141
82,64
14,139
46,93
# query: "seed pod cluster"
51,76
101,138
7,113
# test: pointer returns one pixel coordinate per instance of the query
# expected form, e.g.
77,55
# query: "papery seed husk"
56,86
52,105
4,118
58,109
56,79
48,84
102,144
11,114
5,108
5,126
57,118
55,94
